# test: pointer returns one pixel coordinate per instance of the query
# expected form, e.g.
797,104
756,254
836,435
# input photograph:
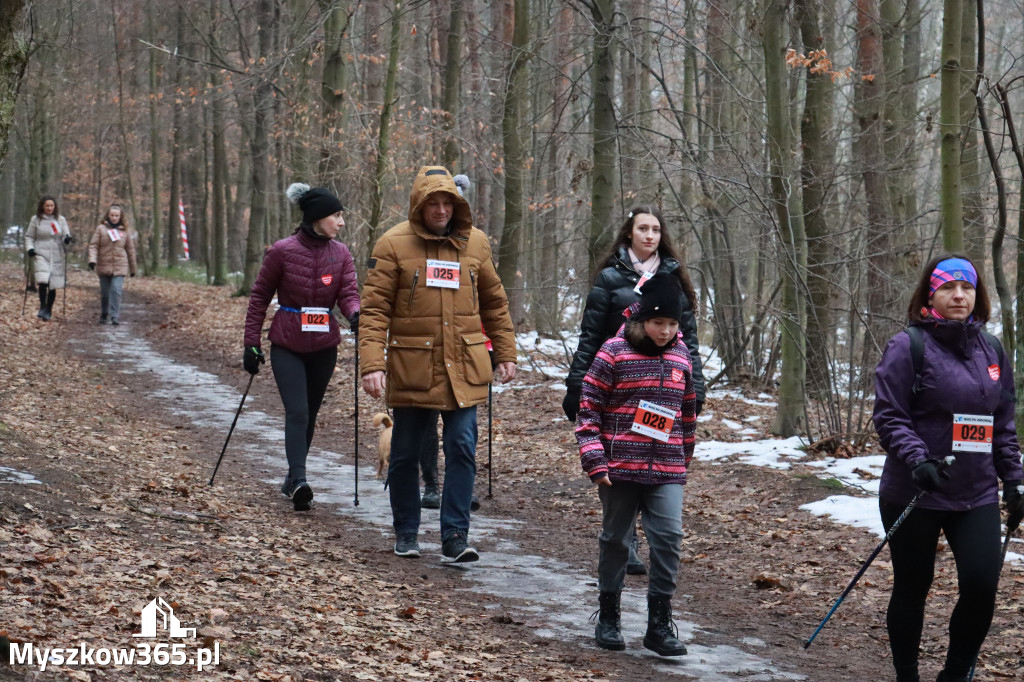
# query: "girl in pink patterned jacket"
635,429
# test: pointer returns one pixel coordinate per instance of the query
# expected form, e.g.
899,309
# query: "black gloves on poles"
1013,497
700,406
571,404
68,239
92,266
928,476
252,359
31,253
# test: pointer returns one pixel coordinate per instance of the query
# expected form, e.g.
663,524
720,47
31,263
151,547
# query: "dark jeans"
302,379
412,427
974,538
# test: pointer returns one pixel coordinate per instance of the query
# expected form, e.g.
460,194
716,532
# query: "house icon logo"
159,613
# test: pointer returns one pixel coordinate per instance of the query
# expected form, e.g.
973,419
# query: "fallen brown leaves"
124,514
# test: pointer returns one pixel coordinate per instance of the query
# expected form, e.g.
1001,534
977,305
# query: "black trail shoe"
635,566
407,546
299,493
455,549
661,630
607,634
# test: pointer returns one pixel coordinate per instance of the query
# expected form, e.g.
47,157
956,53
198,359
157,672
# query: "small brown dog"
383,444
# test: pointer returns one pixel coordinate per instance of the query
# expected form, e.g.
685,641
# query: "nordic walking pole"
490,447
24,299
64,298
233,422
864,567
355,425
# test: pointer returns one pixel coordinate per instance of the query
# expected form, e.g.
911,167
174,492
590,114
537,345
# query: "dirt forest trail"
121,428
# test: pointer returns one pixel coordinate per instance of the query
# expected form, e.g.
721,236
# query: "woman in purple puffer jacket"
310,273
954,396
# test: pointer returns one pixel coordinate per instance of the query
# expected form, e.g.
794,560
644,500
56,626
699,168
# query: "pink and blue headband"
952,269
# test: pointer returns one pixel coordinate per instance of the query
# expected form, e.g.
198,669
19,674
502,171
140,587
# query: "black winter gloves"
92,266
353,323
928,476
252,359
571,403
700,406
1013,497
31,253
68,239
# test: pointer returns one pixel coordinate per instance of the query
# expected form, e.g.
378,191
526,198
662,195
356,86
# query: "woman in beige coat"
45,239
112,256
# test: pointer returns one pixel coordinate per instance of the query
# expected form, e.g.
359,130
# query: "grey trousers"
662,518
111,287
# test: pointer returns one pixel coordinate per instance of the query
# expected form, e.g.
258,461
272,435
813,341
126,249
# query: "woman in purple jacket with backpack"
944,387
310,274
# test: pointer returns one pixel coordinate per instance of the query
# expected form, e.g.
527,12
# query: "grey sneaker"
455,549
406,546
431,499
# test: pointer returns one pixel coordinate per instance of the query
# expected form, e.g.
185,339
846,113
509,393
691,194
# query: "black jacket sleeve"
593,326
688,326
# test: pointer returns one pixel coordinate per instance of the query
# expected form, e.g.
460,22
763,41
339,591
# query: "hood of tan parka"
432,179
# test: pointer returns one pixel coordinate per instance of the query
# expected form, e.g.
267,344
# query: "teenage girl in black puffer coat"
643,245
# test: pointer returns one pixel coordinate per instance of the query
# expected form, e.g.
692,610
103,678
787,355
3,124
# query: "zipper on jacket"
412,292
654,442
472,278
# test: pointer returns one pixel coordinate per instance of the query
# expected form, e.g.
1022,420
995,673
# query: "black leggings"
974,538
302,379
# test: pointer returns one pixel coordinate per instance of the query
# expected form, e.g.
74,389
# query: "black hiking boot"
950,677
456,550
607,634
661,630
431,499
635,566
474,504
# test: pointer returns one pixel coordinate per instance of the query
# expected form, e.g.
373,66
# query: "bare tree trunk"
602,188
155,242
973,183
789,212
126,147
817,175
13,59
262,107
515,162
951,200
384,136
173,221
452,77
333,92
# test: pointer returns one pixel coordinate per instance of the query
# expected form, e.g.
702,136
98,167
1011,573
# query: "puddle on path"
559,598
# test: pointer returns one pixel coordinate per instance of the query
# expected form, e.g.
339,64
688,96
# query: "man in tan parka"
430,284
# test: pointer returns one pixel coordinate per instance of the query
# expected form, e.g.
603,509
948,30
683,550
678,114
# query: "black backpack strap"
993,341
916,354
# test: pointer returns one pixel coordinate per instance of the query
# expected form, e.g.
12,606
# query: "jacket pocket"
478,360
410,362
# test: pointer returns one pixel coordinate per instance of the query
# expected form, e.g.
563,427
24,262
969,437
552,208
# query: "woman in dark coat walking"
948,393
643,247
310,273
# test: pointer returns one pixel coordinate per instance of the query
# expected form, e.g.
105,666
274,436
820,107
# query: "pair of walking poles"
947,462
355,429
